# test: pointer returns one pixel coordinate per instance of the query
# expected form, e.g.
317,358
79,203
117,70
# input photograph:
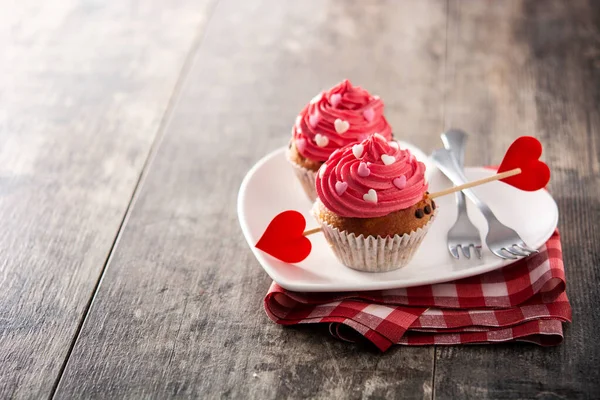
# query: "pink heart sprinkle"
363,170
301,145
400,182
335,99
314,119
340,187
369,114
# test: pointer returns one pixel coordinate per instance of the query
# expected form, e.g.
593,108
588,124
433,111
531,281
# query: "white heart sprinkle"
387,160
379,136
370,196
394,145
357,150
321,140
298,120
317,98
322,170
341,126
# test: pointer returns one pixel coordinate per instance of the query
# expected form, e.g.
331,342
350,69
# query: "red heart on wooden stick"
284,239
524,153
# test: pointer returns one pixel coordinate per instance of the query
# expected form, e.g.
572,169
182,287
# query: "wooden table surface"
126,128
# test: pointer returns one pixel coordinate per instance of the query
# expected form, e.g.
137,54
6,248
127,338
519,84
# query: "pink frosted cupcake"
373,204
343,115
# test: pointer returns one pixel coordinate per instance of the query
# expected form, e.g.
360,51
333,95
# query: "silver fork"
463,235
503,241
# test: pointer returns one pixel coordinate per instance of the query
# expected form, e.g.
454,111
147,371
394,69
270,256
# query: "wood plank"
83,87
179,311
531,68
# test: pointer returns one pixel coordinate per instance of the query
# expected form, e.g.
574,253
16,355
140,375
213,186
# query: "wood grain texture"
533,68
83,87
179,312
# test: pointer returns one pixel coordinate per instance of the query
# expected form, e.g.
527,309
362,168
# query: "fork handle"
455,141
447,163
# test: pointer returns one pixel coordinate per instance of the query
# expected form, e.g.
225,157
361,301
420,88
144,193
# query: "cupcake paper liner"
306,178
373,254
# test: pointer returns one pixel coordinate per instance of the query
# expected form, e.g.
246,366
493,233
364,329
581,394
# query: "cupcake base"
372,253
306,177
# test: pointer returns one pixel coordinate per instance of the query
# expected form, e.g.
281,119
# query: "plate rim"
368,286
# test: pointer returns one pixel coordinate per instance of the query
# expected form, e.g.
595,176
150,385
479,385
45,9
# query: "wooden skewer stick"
311,231
467,185
478,182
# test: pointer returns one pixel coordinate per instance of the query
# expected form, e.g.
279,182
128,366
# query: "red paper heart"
283,238
524,153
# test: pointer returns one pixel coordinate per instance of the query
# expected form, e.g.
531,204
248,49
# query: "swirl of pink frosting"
316,132
371,179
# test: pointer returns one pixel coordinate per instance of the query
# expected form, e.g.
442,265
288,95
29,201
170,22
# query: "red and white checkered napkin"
525,301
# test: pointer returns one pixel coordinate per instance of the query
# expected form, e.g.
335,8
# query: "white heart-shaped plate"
271,187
